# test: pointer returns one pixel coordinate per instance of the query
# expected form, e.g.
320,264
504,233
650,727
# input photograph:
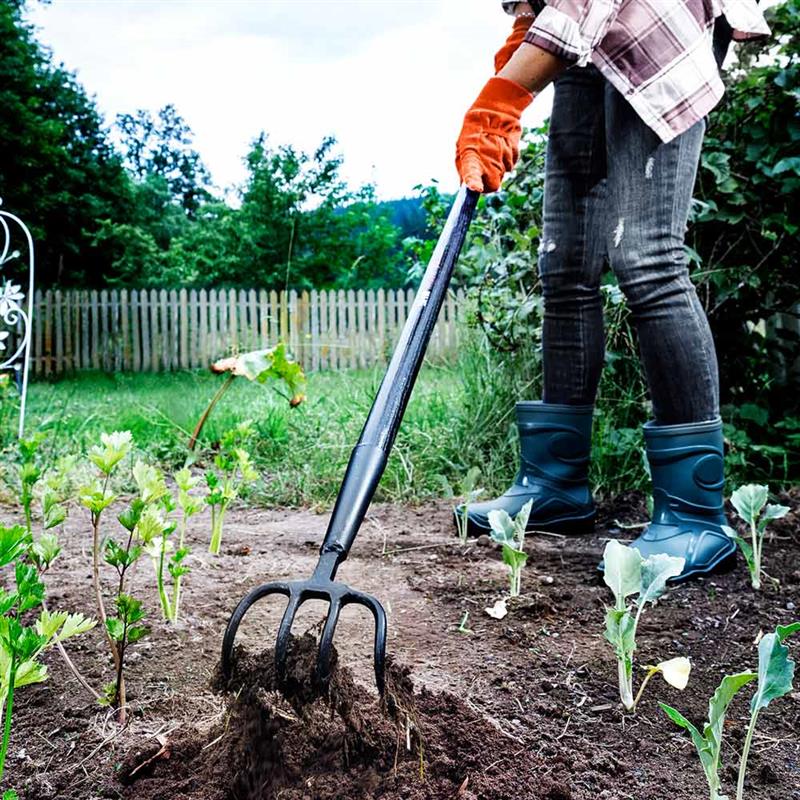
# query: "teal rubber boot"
687,469
555,442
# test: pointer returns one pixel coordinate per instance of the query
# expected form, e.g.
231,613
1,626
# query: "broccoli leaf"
749,500
623,571
775,669
656,571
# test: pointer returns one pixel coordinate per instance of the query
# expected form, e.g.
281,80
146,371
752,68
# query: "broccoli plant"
22,645
775,675
751,505
510,533
234,470
626,573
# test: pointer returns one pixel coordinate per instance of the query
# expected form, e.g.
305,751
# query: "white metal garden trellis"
14,317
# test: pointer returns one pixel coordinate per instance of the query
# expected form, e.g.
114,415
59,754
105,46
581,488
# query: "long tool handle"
369,457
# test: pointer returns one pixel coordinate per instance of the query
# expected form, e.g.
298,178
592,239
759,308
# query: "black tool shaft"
369,457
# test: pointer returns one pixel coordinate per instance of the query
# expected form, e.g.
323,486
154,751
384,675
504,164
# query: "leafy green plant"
189,505
259,366
510,533
751,505
97,497
775,675
626,573
234,470
21,645
29,474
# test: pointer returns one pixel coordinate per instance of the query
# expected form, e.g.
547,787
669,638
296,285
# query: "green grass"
302,452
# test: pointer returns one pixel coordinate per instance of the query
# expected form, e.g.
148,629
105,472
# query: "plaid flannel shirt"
657,53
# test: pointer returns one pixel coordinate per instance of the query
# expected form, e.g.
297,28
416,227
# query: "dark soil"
524,708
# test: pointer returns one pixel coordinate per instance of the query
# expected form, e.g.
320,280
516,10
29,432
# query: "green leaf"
150,481
515,559
785,631
74,625
136,633
13,541
775,671
747,552
48,624
749,500
502,526
29,672
656,570
622,571
113,448
10,794
116,628
30,590
772,511
620,633
45,550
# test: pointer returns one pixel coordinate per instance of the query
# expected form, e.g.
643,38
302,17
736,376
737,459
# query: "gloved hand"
521,27
488,145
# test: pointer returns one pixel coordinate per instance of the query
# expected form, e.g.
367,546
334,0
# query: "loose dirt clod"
303,743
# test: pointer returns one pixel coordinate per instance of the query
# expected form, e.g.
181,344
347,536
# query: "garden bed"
525,707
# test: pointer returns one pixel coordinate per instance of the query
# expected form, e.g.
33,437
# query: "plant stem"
646,680
745,753
214,400
217,517
177,591
756,576
625,686
75,671
120,699
9,708
165,606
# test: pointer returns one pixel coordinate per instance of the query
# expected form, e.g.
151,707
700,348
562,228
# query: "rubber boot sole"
725,562
567,526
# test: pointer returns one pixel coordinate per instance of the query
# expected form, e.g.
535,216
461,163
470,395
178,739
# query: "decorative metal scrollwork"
16,307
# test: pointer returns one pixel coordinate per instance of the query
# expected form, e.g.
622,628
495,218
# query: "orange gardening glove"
488,146
521,27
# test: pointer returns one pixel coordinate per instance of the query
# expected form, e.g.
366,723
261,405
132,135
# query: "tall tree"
58,170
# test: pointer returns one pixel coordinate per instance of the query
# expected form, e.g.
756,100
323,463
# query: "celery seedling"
20,645
234,471
751,505
510,533
775,674
626,574
189,504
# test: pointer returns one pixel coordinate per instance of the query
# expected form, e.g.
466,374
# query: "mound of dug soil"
300,745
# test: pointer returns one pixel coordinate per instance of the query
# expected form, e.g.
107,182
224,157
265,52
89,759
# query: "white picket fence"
155,330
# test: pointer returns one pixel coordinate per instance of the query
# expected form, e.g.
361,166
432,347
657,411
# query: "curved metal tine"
282,644
323,670
236,618
380,632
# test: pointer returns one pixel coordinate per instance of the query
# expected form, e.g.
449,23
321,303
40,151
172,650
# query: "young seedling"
775,675
470,492
510,533
234,470
29,474
189,504
751,505
627,574
21,645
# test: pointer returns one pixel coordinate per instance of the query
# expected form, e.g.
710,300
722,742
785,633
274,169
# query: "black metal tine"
236,618
323,670
282,644
379,615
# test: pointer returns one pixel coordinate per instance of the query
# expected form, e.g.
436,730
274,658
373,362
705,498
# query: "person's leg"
572,249
650,189
555,435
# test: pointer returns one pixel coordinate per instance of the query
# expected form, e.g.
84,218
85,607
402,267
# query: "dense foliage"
144,213
744,244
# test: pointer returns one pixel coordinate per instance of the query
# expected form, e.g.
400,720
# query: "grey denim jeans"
616,194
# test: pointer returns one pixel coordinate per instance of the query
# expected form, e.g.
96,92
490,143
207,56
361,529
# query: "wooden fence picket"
153,330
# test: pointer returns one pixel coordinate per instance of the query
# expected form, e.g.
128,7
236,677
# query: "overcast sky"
390,79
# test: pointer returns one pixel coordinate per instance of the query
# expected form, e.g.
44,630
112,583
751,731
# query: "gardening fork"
364,470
